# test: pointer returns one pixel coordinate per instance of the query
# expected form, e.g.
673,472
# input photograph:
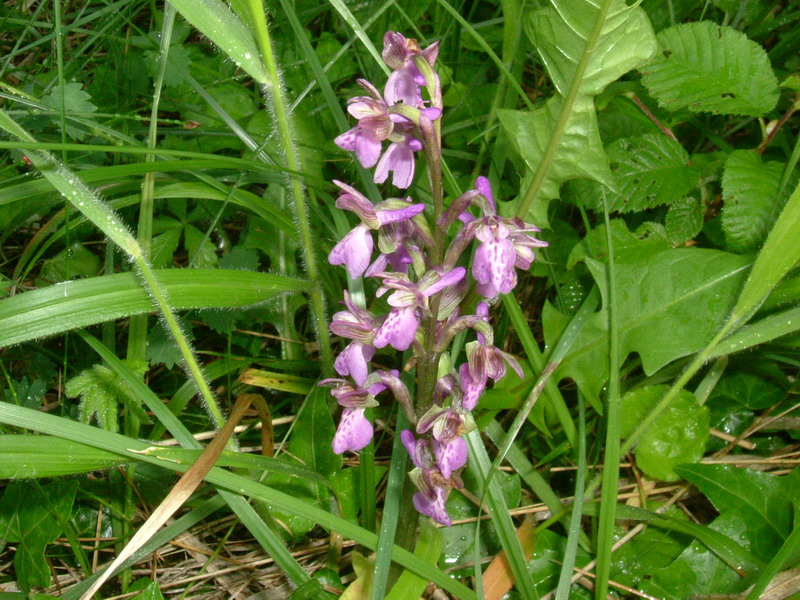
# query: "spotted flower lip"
400,327
354,432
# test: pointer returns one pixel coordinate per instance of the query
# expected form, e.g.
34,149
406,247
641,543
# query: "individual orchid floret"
399,54
433,488
407,301
449,447
355,323
354,361
355,249
489,362
506,244
375,125
354,431
399,160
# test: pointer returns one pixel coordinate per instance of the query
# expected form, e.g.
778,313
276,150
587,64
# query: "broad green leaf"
585,46
677,436
762,499
150,591
649,170
705,67
428,548
215,19
101,390
74,261
74,304
698,571
33,515
750,191
669,305
32,456
618,36
577,153
748,390
312,435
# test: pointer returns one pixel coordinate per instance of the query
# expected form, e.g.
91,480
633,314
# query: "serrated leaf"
101,391
74,261
669,305
705,67
678,436
760,497
585,46
750,191
202,252
74,100
684,219
649,170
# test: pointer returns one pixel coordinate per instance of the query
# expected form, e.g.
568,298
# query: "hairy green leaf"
216,20
73,304
705,67
750,190
101,391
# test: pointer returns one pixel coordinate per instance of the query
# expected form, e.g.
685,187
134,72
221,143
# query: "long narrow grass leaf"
128,448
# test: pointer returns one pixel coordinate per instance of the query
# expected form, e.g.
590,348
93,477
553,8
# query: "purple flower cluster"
423,294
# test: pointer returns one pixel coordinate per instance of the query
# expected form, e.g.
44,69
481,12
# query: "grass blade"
74,304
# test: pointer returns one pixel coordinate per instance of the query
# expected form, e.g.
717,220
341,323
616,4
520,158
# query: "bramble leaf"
684,219
763,499
705,67
649,170
750,190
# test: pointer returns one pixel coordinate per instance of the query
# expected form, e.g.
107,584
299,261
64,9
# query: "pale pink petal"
451,455
354,431
354,251
435,509
399,329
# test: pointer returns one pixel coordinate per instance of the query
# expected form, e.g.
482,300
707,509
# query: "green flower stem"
275,89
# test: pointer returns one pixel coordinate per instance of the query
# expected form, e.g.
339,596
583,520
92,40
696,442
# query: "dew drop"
248,56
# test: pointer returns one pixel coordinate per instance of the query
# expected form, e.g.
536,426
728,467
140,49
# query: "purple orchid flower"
354,431
432,497
449,447
354,361
355,249
375,125
355,323
400,327
506,245
399,160
406,79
